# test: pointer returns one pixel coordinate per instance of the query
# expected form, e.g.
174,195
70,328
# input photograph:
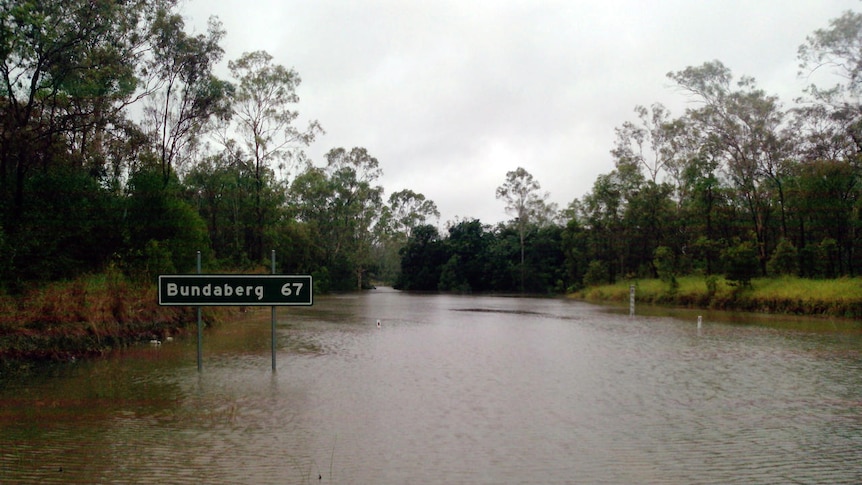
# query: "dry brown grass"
87,316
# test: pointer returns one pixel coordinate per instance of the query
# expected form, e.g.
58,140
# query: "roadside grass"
87,316
840,297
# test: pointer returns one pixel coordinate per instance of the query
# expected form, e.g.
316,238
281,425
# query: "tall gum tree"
264,118
341,203
67,70
187,97
404,211
835,51
524,201
832,123
746,128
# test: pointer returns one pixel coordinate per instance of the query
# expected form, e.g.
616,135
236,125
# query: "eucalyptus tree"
263,113
833,123
68,71
745,127
574,246
645,157
408,210
264,119
404,211
836,49
602,210
187,96
356,204
342,203
524,202
222,190
647,144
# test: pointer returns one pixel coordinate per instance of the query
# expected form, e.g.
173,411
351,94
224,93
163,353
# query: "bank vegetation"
123,154
839,298
89,316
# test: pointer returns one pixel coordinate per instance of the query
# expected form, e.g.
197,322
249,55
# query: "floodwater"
451,389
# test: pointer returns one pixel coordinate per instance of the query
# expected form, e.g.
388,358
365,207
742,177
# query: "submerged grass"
836,297
87,316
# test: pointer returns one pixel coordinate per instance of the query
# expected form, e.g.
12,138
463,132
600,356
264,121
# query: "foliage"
784,260
262,115
665,265
422,260
120,147
163,232
841,297
596,274
740,261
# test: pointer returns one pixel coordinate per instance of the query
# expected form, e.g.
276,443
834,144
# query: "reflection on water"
451,389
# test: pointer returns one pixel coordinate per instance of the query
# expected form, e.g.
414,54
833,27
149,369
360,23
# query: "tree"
784,260
740,260
602,210
647,144
574,247
342,203
745,128
68,70
467,262
422,260
649,219
396,221
520,191
223,191
163,231
837,48
409,210
188,96
823,203
263,117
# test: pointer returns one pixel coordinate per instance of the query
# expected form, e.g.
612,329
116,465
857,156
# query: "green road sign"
235,290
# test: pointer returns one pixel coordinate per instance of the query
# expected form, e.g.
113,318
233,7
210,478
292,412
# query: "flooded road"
451,389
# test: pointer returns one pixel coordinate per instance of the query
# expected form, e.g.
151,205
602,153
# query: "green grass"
837,297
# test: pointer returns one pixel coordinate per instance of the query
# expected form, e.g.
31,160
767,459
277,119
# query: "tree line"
738,185
121,148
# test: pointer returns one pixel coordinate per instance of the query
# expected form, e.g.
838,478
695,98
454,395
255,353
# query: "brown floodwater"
453,389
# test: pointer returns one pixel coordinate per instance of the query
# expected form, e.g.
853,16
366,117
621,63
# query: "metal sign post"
200,326
273,317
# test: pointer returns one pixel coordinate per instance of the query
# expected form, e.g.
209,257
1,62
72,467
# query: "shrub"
665,265
740,261
597,273
784,260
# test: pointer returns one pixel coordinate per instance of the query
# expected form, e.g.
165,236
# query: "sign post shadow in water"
235,290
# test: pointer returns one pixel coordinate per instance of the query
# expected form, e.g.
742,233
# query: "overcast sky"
450,95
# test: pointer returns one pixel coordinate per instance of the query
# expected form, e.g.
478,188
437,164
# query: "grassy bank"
88,316
838,298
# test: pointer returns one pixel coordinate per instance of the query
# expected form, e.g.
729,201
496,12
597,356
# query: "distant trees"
738,184
476,258
520,191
